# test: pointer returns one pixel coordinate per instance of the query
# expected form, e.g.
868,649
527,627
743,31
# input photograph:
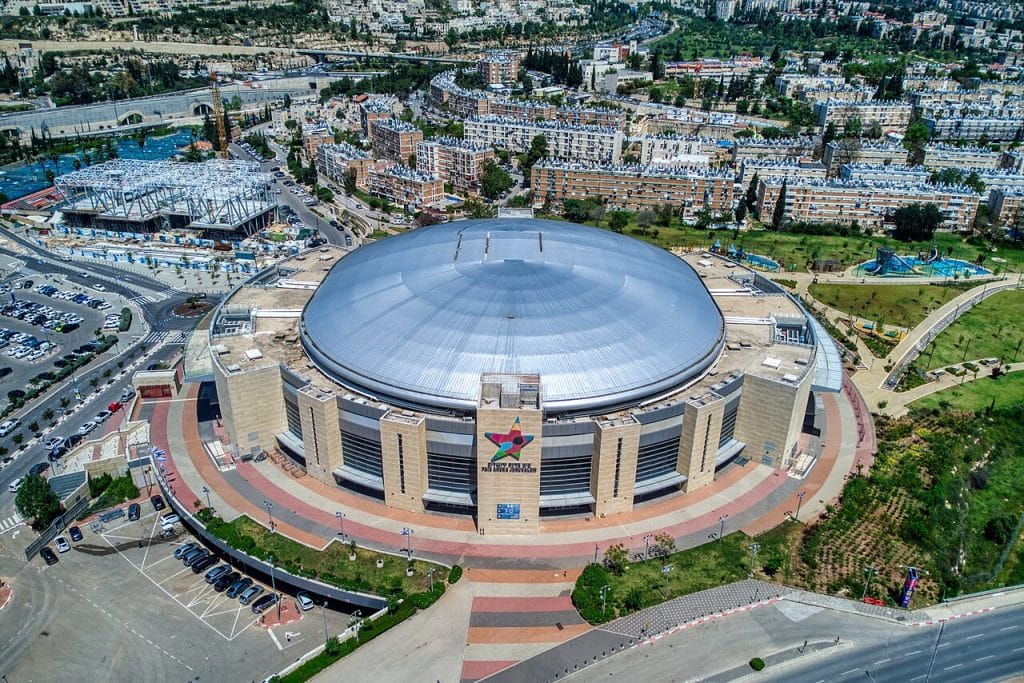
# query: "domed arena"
606,321
513,369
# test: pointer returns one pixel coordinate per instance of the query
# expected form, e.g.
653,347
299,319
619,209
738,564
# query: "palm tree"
77,164
141,138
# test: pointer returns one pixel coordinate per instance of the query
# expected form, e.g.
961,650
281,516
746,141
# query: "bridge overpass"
323,55
178,107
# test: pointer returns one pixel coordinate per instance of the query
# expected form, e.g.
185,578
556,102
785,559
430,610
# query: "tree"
664,544
141,137
349,181
618,220
616,558
36,500
494,180
779,212
751,198
645,219
914,139
916,222
741,212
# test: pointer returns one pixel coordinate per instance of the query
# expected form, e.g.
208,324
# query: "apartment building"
1012,159
848,92
675,150
499,66
454,160
336,158
837,153
373,110
314,135
780,148
890,115
793,85
997,179
591,116
634,186
405,186
521,109
599,144
878,173
866,203
1006,207
778,168
723,70
394,139
996,128
938,156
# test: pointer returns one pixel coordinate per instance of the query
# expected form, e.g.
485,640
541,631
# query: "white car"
86,429
9,426
102,417
62,544
16,484
99,288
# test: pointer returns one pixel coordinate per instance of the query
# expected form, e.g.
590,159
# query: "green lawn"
992,329
976,395
903,305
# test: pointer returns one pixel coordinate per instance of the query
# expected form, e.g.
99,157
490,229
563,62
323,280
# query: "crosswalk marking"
155,336
172,337
9,523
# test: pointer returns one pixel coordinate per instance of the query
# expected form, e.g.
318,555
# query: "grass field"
903,305
977,395
992,329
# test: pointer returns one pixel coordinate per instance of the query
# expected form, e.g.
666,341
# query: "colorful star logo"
510,444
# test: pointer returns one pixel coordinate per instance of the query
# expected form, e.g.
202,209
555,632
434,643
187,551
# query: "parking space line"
273,637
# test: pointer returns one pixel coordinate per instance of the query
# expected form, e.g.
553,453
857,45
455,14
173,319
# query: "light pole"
269,506
604,598
647,545
868,572
206,490
754,547
323,609
407,532
273,584
799,502
341,521
430,573
721,527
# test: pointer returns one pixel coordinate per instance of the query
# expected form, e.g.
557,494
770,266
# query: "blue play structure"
888,263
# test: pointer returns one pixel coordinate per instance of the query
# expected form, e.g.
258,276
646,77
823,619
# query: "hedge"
454,575
126,320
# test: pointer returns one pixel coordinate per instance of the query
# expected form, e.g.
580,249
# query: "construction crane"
218,117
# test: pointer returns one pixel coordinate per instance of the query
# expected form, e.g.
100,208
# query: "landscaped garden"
902,305
945,495
1002,391
992,329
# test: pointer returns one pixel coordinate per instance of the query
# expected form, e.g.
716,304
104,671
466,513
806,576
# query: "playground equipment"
887,262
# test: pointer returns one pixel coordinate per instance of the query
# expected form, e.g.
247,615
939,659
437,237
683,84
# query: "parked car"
217,572
9,426
48,556
61,544
181,550
305,600
264,603
235,589
53,442
99,287
39,468
134,512
16,484
75,533
221,584
158,503
86,429
192,556
169,519
247,595
199,566
102,417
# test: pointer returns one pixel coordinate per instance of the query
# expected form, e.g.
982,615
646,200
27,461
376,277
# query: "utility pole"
604,599
754,547
721,526
647,545
799,502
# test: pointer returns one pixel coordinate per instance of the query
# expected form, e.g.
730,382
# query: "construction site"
219,198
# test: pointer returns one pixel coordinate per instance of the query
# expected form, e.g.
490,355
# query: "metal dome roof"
605,320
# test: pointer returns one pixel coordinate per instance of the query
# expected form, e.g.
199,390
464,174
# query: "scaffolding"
215,195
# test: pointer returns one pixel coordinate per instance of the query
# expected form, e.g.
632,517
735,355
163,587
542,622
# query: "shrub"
756,663
454,574
126,320
122,489
97,485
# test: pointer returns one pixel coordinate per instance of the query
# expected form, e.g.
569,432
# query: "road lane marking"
848,672
911,654
982,659
952,666
1018,649
976,635
274,638
883,661
1008,628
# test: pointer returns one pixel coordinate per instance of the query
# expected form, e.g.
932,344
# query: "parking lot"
131,611
37,331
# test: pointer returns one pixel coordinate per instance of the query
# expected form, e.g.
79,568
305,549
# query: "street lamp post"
647,545
273,584
430,573
799,502
341,520
604,598
721,527
270,507
754,547
206,490
868,572
323,609
407,532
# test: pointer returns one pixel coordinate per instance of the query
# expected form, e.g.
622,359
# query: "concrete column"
698,442
403,445
770,417
321,434
613,469
252,405
509,423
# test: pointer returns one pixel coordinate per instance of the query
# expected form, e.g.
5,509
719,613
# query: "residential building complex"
454,160
938,156
634,187
779,168
995,128
500,66
335,159
601,144
890,115
405,186
394,139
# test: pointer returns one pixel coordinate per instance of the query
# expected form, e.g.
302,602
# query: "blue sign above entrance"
508,510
